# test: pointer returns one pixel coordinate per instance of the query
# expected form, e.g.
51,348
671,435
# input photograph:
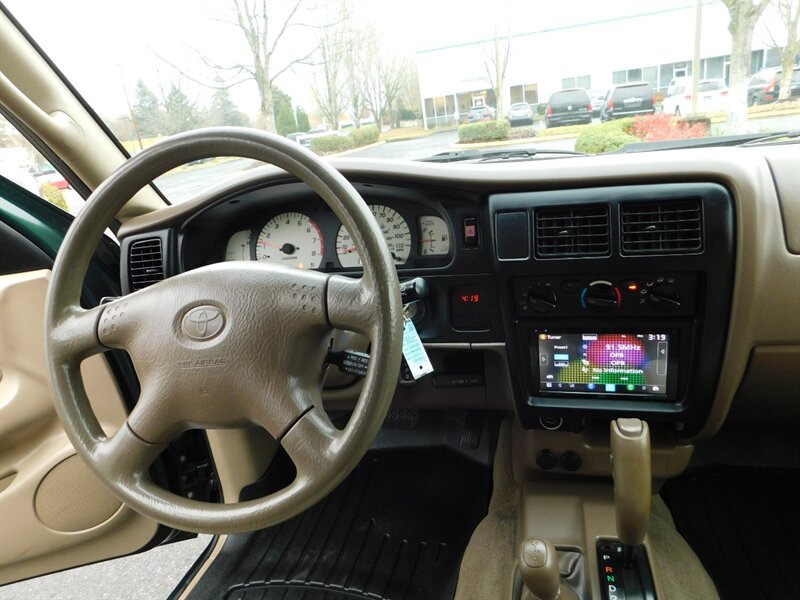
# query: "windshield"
392,80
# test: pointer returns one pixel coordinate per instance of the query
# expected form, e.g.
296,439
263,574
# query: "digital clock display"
470,298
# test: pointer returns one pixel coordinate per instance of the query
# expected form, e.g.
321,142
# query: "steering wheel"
226,345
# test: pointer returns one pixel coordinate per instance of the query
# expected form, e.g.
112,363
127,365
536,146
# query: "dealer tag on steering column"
414,352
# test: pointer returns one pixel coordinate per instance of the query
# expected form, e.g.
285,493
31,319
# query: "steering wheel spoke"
75,335
313,444
352,305
124,456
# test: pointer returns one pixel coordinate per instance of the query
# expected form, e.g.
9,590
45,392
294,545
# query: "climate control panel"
635,294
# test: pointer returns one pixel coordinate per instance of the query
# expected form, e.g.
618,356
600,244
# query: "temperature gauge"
434,236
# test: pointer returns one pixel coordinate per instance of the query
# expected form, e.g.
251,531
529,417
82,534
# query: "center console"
615,301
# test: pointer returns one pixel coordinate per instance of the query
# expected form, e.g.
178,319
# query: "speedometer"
395,231
290,238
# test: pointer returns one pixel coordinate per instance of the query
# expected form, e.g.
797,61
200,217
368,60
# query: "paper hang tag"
414,352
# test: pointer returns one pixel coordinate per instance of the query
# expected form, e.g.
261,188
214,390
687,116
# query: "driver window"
24,165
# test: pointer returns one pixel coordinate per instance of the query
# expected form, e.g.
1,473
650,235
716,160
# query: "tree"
285,121
744,15
223,111
328,85
496,63
147,111
179,113
265,37
253,19
302,120
789,13
353,64
386,77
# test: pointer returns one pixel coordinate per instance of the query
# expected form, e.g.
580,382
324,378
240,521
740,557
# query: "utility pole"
698,26
130,110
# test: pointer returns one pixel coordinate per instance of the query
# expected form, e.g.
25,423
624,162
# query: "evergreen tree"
223,111
180,114
302,120
147,111
285,121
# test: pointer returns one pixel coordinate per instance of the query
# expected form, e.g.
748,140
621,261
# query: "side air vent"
145,263
572,231
672,227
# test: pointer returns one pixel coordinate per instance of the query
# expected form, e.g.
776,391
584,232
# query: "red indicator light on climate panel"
632,286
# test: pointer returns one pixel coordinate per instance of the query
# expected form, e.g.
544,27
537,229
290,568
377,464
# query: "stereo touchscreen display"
603,363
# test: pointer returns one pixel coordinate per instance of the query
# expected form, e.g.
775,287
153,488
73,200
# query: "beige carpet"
488,563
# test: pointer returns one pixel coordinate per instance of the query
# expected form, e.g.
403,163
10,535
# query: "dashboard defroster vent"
145,263
670,227
572,231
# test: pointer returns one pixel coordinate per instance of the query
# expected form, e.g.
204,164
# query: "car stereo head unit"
604,364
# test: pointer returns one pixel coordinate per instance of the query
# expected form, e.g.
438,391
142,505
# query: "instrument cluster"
311,237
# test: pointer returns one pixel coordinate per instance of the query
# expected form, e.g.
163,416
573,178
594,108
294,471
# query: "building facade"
648,46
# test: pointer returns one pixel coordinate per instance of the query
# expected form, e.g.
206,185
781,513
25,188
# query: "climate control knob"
542,300
600,297
664,298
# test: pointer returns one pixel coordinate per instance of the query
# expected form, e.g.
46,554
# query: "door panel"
54,513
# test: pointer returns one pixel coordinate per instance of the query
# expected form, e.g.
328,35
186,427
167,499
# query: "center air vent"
145,263
572,231
670,227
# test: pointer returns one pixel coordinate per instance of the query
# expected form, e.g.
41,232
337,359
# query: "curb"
563,136
359,149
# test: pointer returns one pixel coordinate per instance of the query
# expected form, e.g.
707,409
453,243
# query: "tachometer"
434,236
292,239
395,231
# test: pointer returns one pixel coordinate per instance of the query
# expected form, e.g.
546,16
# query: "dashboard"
569,290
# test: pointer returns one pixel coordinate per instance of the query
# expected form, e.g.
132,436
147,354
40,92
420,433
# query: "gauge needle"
270,244
349,250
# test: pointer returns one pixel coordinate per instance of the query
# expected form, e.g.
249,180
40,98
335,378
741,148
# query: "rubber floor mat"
744,525
395,529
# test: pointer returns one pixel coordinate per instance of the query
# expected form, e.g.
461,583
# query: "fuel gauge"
434,236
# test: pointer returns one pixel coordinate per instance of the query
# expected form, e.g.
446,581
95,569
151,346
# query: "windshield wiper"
790,134
495,155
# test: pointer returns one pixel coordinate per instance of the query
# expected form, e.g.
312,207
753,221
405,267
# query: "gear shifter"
538,565
630,456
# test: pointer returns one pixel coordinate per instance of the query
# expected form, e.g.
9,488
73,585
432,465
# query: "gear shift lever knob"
538,565
630,455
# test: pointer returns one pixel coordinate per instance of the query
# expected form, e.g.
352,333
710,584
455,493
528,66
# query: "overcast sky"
99,44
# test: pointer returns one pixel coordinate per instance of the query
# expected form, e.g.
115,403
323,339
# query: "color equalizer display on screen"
603,363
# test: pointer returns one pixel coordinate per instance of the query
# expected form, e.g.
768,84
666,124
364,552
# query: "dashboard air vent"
670,227
572,231
145,263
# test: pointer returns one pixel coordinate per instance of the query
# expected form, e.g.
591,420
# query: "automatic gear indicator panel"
631,364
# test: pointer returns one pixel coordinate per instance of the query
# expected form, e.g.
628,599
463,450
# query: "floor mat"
396,528
744,525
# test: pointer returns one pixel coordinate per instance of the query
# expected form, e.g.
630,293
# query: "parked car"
568,107
295,135
480,113
520,113
765,86
597,97
712,97
628,100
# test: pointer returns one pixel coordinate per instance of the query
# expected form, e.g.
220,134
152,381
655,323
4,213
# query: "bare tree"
495,61
744,16
263,32
789,13
328,87
386,78
353,63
